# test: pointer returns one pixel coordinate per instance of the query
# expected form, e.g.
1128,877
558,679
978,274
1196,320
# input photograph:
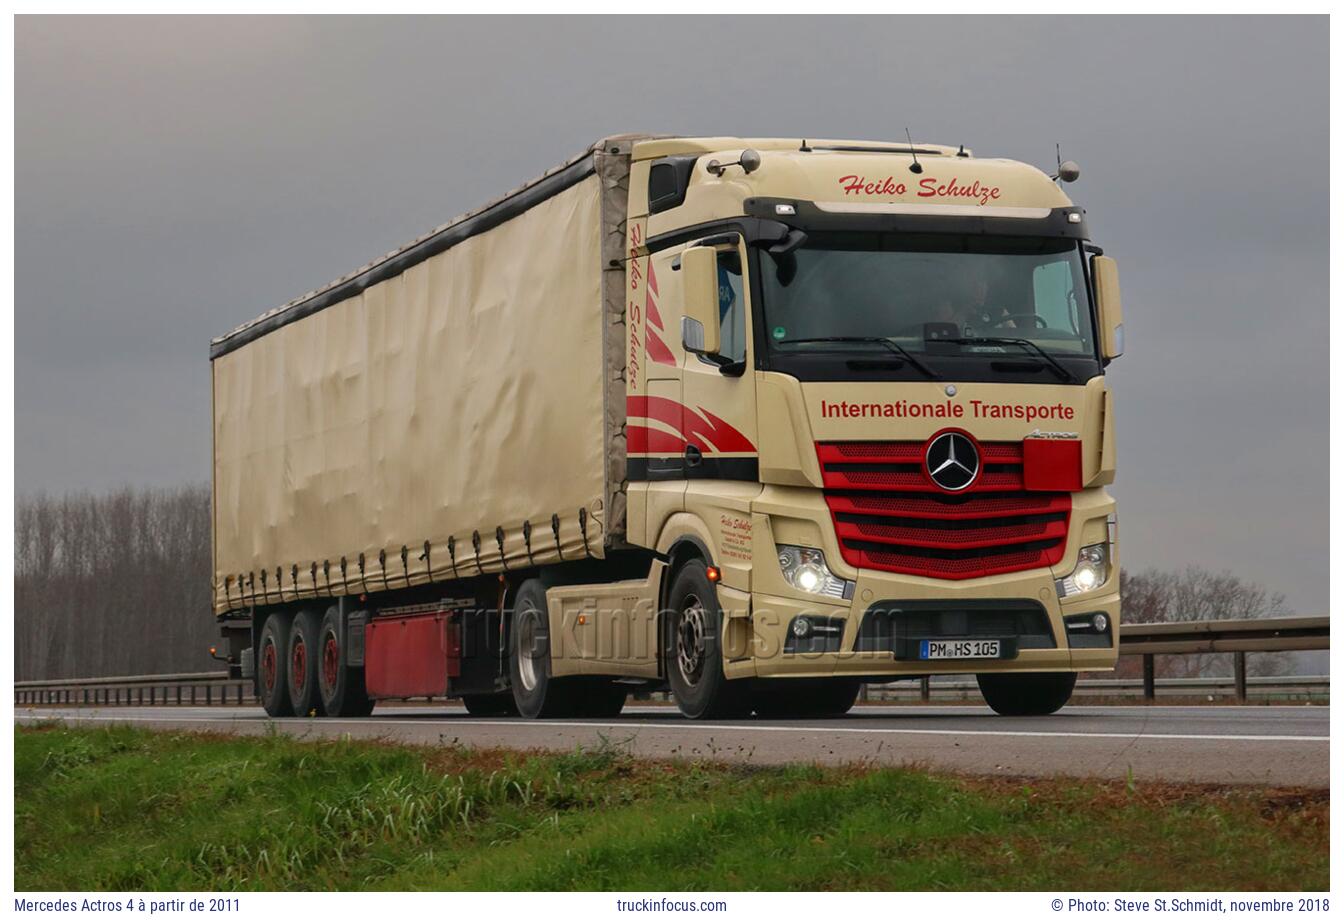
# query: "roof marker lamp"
1091,572
805,569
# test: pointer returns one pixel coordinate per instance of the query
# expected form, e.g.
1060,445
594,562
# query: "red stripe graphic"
641,440
657,348
702,428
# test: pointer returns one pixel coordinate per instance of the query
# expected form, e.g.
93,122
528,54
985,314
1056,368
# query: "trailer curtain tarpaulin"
446,405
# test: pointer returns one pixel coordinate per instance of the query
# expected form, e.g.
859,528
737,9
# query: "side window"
1056,303
732,307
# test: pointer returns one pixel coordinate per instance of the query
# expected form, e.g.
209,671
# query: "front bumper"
773,655
925,608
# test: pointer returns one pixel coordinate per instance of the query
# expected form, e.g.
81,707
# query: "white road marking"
704,727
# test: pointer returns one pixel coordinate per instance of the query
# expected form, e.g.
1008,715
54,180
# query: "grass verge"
121,808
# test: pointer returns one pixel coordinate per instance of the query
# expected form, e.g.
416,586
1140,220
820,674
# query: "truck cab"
866,391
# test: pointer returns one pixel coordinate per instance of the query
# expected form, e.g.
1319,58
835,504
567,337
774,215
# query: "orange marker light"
713,573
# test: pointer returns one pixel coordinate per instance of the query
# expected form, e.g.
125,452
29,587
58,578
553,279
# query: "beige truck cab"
870,385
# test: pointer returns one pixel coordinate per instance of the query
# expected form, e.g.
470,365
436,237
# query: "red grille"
889,516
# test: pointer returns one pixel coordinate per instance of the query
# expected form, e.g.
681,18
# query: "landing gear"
1026,694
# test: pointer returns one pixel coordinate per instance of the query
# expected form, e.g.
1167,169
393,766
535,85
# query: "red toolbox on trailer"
412,651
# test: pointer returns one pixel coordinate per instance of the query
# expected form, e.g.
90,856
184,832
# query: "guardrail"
208,687
1195,637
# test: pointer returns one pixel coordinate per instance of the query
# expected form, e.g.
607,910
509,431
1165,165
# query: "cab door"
654,442
718,393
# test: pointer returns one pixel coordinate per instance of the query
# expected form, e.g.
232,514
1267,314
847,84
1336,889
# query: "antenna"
804,148
914,167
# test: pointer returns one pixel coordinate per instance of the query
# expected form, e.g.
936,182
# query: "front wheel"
692,650
1026,694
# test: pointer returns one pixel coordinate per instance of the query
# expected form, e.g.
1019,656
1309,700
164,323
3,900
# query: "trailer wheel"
1026,694
806,698
490,704
692,652
303,663
272,680
341,686
536,693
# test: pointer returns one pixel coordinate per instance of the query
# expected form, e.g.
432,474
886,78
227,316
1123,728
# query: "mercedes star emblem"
952,460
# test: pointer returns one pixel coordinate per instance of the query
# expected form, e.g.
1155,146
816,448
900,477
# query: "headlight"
1089,574
805,568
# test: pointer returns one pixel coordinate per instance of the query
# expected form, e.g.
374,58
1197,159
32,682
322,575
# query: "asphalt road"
1269,745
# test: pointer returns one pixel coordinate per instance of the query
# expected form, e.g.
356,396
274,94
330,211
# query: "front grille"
889,516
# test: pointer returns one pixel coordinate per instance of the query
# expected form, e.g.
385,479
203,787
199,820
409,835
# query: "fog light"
1090,572
805,568
1100,622
802,626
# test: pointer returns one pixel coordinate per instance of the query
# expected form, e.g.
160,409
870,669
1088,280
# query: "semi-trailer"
756,421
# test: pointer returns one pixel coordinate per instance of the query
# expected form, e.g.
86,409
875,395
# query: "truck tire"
1026,694
599,698
340,685
692,653
490,704
303,661
824,698
536,694
272,680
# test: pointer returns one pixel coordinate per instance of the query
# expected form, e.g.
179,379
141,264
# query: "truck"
753,421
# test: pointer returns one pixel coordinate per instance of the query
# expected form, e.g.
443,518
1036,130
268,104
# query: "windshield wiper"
1025,344
876,339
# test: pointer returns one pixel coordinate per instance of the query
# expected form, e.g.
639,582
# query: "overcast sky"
175,177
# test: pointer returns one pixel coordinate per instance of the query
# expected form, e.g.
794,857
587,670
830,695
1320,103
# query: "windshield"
916,289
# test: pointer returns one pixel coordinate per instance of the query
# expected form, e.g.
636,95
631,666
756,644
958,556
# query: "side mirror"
700,300
1106,290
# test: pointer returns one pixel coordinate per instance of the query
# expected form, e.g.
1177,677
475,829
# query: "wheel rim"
691,640
268,666
527,657
331,661
299,665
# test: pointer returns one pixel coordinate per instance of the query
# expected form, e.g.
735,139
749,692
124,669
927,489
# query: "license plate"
960,648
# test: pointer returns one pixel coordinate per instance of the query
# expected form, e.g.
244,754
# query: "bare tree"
115,584
1163,596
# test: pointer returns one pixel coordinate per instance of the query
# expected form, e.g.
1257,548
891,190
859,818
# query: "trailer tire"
272,679
1026,694
303,661
826,698
341,686
692,650
536,694
490,704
